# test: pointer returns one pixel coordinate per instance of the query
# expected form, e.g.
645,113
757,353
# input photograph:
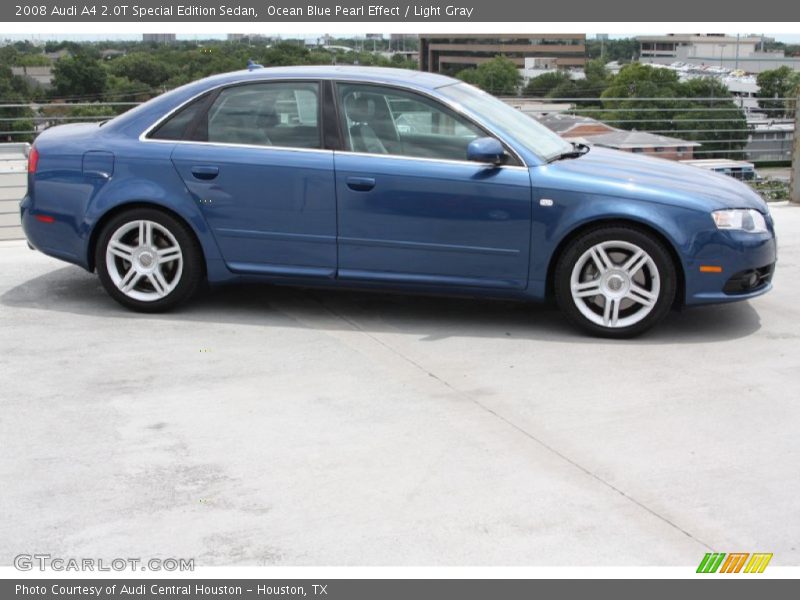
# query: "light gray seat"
361,111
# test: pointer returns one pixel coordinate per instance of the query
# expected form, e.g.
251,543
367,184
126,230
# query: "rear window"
266,114
175,127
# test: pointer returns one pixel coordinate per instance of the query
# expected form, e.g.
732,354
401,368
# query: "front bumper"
746,262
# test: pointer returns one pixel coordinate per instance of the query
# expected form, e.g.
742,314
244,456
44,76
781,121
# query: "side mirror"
487,150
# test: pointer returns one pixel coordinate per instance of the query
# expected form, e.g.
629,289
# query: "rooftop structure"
452,52
744,53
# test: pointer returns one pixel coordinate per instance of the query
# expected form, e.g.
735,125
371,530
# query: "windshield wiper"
577,151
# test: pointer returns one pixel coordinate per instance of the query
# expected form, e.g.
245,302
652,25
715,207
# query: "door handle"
205,172
361,184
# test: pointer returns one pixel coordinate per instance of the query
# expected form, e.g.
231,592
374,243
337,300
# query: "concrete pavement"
263,426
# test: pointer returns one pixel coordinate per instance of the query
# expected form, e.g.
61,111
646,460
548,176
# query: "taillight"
33,160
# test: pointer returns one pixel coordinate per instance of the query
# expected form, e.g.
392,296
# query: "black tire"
186,281
666,275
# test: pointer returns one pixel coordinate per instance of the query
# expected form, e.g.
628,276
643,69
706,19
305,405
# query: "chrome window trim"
451,161
234,145
451,105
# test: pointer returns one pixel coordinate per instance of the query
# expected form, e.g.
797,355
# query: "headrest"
361,109
269,118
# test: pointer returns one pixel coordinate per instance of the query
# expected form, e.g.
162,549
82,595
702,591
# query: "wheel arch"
134,204
642,226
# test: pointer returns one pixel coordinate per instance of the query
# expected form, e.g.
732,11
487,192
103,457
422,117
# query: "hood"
602,171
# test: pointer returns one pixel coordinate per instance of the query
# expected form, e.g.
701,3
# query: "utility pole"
794,194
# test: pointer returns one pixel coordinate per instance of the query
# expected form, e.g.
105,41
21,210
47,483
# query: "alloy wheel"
615,284
144,260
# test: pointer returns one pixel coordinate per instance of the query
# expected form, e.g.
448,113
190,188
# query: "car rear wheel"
148,261
615,282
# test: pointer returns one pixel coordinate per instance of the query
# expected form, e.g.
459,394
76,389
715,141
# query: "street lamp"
721,52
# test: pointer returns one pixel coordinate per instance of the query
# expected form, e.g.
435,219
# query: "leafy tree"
79,76
682,108
559,84
545,83
34,60
14,121
122,89
498,76
71,47
774,85
621,102
720,125
596,72
139,66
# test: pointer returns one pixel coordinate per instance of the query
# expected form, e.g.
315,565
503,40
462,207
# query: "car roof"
420,79
134,121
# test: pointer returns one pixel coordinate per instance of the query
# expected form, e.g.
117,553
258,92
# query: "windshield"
536,137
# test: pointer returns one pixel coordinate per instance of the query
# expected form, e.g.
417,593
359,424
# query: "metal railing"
36,117
735,128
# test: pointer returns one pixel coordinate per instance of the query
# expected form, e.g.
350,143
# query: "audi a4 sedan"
386,179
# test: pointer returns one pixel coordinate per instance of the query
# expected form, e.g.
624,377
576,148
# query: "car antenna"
251,65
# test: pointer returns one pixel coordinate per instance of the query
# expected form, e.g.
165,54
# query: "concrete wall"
13,184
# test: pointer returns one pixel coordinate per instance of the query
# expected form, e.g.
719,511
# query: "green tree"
499,76
16,123
139,66
79,76
545,83
720,125
621,100
777,89
122,89
596,72
654,99
33,60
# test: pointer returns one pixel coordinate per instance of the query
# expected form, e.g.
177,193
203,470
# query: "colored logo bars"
714,562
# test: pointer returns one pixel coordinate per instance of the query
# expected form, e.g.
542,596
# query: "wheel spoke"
129,280
641,296
635,262
158,282
611,312
123,251
145,233
169,254
586,289
601,259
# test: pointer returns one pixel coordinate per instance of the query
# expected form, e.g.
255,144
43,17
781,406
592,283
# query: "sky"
789,38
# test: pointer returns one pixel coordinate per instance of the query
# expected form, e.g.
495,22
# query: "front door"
412,209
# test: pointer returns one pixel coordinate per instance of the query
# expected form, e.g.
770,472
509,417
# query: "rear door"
256,166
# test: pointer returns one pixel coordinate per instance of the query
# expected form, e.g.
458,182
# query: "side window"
265,114
175,128
379,120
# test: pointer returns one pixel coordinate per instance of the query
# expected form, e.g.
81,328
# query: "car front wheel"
615,281
148,261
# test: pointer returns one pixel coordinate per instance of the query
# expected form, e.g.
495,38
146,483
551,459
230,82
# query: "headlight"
742,219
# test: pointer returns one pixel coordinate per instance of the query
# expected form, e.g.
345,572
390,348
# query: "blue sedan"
386,179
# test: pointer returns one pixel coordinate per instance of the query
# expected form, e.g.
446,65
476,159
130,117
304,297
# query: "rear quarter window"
176,126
